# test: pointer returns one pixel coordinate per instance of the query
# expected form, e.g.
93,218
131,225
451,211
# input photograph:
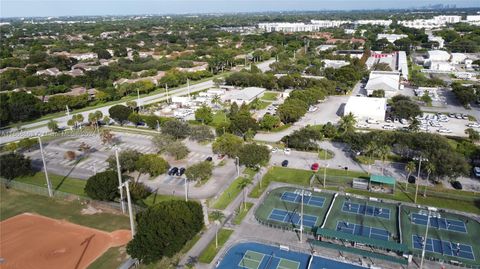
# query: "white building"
84,56
325,47
441,66
438,55
288,27
391,37
402,64
435,22
245,96
473,18
328,23
374,22
438,39
364,108
388,81
458,58
335,63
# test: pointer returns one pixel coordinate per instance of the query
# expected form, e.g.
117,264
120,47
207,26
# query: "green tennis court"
252,260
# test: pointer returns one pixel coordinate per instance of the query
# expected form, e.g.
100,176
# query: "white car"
388,127
274,150
473,125
444,130
362,125
372,121
286,151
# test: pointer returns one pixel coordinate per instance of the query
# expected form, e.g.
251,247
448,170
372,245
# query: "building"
435,22
328,23
438,56
473,18
335,63
245,96
49,72
391,37
458,58
325,47
388,81
438,39
374,22
402,64
364,108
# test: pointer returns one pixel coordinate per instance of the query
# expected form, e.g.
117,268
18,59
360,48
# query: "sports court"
366,210
252,260
444,247
361,230
308,198
252,255
292,217
439,222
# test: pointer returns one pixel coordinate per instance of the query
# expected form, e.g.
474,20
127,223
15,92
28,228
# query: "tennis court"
439,222
360,230
444,247
308,198
252,260
366,210
292,217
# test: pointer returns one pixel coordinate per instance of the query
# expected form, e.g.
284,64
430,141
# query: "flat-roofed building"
364,108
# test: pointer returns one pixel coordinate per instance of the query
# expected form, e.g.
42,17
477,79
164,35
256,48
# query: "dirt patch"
33,241
90,210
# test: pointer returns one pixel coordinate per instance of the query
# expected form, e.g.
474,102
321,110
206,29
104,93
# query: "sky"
45,8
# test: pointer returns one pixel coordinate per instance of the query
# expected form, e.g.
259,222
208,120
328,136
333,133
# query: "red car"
315,166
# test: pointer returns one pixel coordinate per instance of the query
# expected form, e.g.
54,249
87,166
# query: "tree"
378,93
269,122
292,110
404,108
201,171
383,152
414,125
119,113
217,216
15,165
473,135
138,191
410,168
426,99
135,118
178,221
151,164
107,137
52,126
204,114
430,167
161,141
242,185
103,53
127,159
177,149
242,122
347,123
176,128
70,155
103,186
201,133
252,155
227,144
329,130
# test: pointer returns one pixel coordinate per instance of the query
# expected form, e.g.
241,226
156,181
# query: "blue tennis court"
444,247
357,229
439,223
308,198
292,217
368,210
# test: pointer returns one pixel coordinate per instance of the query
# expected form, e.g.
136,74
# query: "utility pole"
138,99
119,172
186,189
425,240
301,218
129,200
325,171
420,159
158,126
237,163
49,185
188,87
166,89
68,111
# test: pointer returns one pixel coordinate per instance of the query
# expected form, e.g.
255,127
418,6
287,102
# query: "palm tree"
383,152
243,186
430,167
347,122
370,151
217,217
410,168
216,100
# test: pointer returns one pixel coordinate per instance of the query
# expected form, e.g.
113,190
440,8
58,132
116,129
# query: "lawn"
232,191
15,202
112,258
59,183
270,96
241,213
325,154
156,198
209,253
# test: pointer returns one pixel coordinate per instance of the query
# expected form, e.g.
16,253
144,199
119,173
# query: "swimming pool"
252,255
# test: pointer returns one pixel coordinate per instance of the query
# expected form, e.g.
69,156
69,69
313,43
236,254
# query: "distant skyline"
46,8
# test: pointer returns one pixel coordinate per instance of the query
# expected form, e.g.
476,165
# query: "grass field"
273,201
209,253
232,191
59,183
15,202
270,96
241,212
113,258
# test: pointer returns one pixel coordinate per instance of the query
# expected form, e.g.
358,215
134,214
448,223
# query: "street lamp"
49,185
129,200
237,164
186,189
425,240
419,159
119,173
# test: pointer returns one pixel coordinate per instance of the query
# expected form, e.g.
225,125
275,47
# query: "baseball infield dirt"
32,241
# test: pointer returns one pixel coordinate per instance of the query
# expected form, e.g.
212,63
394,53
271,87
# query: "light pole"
138,99
166,89
425,241
419,159
301,218
237,164
119,173
325,175
186,189
129,200
188,88
158,126
49,185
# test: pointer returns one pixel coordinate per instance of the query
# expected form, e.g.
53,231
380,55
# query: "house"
458,58
364,108
245,96
335,63
391,37
438,56
388,81
49,72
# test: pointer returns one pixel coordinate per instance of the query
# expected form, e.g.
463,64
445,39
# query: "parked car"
388,127
372,121
173,171
465,116
286,151
181,171
457,185
403,121
209,159
444,130
362,125
476,171
473,125
451,115
412,179
274,150
315,166
285,163
458,116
